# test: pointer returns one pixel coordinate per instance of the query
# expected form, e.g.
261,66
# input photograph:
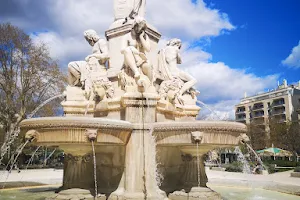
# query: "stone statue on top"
90,74
137,68
177,83
125,9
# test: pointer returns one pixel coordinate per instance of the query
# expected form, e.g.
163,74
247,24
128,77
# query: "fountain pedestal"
139,180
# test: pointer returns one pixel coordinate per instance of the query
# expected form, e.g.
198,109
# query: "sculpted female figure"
79,70
135,44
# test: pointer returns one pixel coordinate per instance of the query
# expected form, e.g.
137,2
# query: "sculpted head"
175,42
139,24
91,36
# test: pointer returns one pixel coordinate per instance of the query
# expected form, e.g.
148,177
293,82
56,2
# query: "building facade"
280,105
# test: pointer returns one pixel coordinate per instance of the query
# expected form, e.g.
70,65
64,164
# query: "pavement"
42,176
281,181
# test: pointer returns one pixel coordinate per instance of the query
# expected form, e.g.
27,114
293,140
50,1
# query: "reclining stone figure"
78,71
175,79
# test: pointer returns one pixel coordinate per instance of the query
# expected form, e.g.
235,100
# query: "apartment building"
280,104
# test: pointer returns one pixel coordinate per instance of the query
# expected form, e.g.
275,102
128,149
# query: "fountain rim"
75,122
222,126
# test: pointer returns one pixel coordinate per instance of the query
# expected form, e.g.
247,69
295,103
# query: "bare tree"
28,76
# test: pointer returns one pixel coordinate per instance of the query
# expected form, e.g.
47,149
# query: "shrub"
271,168
297,169
283,163
234,167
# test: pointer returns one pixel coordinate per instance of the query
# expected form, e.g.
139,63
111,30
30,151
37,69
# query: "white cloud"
293,60
222,87
181,18
218,79
63,48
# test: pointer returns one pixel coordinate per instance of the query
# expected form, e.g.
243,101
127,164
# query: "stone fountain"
139,109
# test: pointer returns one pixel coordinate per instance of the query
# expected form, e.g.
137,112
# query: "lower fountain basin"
72,130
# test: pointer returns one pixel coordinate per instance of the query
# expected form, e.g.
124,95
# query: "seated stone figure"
78,71
135,44
175,79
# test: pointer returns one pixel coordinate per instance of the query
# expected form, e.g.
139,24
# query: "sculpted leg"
73,74
147,70
190,81
130,62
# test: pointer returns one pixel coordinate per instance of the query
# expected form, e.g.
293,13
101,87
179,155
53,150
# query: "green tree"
28,76
257,135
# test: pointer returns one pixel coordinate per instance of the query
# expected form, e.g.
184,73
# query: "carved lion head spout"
243,138
197,136
31,135
91,134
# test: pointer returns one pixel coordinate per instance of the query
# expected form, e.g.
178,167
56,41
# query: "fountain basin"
72,130
181,163
212,133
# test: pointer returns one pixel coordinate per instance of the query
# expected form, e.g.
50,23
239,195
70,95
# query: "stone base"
196,193
75,194
167,111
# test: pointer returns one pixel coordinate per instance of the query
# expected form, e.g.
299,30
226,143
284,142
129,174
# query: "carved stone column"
138,181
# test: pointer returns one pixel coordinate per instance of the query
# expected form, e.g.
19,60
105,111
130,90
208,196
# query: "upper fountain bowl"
74,130
207,133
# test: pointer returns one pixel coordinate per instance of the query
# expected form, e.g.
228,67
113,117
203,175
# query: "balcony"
258,114
240,110
240,118
278,103
259,106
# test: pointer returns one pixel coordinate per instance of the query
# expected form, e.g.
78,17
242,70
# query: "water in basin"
236,193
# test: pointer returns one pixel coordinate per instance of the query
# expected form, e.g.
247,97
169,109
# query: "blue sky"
265,34
229,46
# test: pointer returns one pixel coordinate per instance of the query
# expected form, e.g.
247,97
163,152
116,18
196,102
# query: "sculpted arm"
127,47
145,41
102,51
179,60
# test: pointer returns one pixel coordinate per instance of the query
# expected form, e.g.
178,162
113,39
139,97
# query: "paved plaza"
278,181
